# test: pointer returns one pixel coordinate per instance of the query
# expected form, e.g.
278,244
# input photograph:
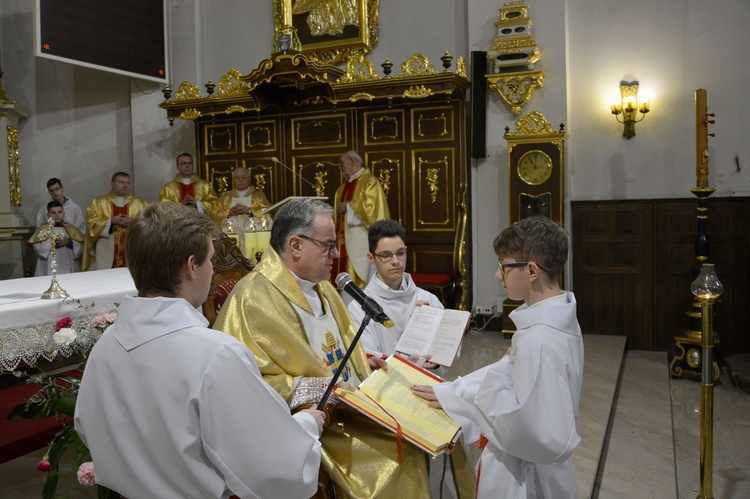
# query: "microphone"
276,160
369,306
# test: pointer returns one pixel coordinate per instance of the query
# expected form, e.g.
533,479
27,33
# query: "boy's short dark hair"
54,204
384,228
160,240
53,181
535,239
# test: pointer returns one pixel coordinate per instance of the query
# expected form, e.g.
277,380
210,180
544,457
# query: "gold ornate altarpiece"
409,127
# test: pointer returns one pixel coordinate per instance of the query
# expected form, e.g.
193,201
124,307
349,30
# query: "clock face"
535,167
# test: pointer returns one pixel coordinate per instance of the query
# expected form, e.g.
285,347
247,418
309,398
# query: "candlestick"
701,138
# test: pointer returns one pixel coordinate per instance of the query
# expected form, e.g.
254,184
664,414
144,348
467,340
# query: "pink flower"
64,322
99,321
44,466
86,474
111,316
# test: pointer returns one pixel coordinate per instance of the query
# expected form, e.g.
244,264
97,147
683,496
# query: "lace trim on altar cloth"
310,391
31,342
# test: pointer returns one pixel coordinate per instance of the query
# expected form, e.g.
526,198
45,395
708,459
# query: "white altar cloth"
27,323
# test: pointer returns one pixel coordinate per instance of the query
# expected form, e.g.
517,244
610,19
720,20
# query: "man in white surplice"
523,408
172,409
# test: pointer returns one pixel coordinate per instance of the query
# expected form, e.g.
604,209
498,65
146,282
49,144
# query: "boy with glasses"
523,408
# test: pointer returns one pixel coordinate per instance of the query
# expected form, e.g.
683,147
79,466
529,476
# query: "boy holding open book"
523,408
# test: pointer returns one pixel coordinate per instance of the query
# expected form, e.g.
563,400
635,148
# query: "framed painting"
330,29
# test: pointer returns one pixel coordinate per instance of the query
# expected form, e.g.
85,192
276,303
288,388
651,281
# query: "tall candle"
701,138
287,12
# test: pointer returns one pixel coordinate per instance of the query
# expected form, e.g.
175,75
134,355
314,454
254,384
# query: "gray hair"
297,217
355,156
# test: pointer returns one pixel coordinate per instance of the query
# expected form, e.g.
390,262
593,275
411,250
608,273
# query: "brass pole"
707,399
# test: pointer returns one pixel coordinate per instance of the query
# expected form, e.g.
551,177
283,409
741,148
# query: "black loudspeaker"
478,132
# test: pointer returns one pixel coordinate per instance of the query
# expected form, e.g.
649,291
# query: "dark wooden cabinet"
633,263
410,130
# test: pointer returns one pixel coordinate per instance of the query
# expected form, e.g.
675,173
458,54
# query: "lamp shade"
707,285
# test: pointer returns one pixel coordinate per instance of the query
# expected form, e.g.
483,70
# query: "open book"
429,429
436,332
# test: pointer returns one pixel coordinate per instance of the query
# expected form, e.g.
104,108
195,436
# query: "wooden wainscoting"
633,264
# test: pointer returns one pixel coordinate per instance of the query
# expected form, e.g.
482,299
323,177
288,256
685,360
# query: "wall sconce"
629,107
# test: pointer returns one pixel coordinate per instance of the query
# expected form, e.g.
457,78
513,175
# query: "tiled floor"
642,458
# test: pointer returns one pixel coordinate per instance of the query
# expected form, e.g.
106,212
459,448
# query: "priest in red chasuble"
360,201
187,188
107,219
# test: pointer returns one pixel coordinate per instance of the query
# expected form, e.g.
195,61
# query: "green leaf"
29,411
66,405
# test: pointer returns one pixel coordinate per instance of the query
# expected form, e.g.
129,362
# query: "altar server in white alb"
172,409
523,408
68,244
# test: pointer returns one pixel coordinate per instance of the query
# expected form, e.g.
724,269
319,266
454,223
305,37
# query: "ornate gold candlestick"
707,288
55,291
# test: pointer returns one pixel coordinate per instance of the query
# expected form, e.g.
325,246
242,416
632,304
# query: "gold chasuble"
369,204
221,208
98,214
359,455
200,189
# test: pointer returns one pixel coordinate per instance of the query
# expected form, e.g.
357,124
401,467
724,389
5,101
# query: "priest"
244,199
296,324
107,219
359,202
187,188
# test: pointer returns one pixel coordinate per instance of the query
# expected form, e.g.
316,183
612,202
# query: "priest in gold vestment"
296,324
244,199
359,202
107,219
187,188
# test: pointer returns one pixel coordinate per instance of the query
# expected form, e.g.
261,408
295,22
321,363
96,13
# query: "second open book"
436,332
386,397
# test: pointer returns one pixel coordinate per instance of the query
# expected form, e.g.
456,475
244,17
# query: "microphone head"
275,159
342,280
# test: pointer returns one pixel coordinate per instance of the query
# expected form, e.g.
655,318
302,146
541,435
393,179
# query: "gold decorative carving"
384,176
187,91
361,96
391,119
330,30
359,68
432,182
461,67
190,114
260,129
416,65
301,125
441,117
223,185
14,165
321,179
418,92
236,109
260,181
216,134
533,123
516,88
318,99
230,85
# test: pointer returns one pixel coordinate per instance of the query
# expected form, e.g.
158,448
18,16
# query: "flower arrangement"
57,397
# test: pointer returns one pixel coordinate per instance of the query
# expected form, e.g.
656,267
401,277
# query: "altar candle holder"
707,288
54,292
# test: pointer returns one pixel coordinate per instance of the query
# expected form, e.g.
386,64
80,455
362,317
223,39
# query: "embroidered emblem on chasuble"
118,234
333,353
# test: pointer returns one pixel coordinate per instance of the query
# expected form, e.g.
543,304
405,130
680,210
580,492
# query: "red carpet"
18,438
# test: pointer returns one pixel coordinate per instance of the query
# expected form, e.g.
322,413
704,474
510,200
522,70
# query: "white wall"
86,124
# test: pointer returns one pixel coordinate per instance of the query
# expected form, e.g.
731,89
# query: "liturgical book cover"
386,397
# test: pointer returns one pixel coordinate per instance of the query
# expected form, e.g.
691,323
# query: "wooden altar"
409,128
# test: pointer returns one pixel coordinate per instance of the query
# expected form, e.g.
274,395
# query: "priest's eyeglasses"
513,265
330,247
387,257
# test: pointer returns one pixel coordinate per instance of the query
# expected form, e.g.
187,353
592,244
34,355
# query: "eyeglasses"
243,177
185,163
513,265
387,257
330,247
342,161
54,189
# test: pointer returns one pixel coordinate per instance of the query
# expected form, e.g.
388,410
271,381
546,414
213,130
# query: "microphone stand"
365,321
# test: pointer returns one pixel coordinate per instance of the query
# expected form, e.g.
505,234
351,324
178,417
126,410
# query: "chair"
440,284
229,267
